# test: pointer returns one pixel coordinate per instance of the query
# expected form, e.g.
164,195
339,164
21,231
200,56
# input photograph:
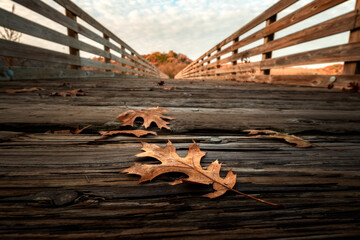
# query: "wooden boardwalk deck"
70,187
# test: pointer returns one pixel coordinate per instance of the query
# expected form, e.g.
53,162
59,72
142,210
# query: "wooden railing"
127,63
214,65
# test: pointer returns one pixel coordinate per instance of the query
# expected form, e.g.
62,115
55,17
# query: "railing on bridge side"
126,61
229,59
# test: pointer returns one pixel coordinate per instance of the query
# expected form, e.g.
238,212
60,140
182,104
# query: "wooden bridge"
56,184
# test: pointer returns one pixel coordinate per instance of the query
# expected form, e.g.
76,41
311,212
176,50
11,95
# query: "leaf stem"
327,148
231,189
257,199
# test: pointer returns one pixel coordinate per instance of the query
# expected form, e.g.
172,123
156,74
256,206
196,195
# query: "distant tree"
10,35
169,63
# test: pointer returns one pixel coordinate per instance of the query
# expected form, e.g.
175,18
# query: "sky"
187,26
190,27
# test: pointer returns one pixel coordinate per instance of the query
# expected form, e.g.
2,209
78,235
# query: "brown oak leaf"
68,131
189,165
34,89
137,133
299,142
151,115
72,93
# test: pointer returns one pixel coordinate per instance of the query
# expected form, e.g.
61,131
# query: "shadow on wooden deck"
70,186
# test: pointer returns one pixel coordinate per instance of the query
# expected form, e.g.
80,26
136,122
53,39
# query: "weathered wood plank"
90,20
334,26
107,49
54,15
70,186
13,49
287,120
21,73
31,28
188,107
342,81
276,8
354,67
346,52
72,34
305,12
203,69
86,196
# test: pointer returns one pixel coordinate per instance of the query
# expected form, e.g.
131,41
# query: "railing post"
71,33
218,59
197,73
207,69
107,49
123,56
267,39
351,68
234,63
132,54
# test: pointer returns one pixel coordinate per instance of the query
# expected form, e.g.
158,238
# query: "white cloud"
188,26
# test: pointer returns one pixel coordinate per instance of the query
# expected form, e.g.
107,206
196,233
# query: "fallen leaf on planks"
66,84
189,165
151,115
137,133
299,142
72,93
68,131
169,88
34,89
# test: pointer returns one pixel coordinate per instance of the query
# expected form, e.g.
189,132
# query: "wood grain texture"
32,73
70,187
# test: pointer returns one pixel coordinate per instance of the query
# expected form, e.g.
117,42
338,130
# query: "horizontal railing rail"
226,60
125,62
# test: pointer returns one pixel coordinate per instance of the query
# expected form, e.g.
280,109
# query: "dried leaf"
78,131
151,115
189,165
68,131
299,142
66,84
169,88
34,89
72,93
137,133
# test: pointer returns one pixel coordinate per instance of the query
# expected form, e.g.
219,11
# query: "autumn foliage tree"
169,63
